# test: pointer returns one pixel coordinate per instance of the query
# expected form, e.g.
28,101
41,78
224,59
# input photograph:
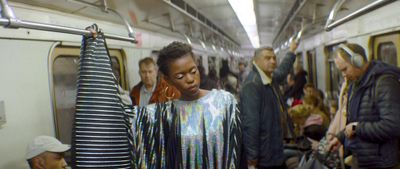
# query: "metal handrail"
289,20
330,23
10,21
227,38
105,8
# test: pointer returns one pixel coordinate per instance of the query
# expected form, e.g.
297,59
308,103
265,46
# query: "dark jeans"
283,166
354,165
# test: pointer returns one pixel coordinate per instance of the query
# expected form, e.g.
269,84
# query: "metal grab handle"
330,23
9,20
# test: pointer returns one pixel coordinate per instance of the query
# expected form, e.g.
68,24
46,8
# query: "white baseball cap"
42,144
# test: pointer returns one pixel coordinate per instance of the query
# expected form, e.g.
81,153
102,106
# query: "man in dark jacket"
264,116
373,118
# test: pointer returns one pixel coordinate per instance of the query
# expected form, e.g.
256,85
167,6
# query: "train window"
299,59
386,48
387,53
335,78
65,62
311,66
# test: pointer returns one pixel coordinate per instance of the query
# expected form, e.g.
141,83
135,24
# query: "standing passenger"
265,119
205,126
243,72
373,113
152,88
228,79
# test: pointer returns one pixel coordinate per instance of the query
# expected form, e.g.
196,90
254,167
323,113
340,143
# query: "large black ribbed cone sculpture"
101,133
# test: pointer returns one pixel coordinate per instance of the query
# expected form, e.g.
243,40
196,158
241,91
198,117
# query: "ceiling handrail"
296,9
106,9
9,20
331,23
214,30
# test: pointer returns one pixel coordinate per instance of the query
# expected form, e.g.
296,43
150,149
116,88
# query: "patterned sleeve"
233,138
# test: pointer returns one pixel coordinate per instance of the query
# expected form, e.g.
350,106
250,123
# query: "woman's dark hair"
224,70
201,71
213,74
315,132
173,51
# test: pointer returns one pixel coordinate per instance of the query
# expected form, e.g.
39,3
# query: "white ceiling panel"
158,15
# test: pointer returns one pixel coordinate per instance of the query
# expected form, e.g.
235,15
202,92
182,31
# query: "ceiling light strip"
244,10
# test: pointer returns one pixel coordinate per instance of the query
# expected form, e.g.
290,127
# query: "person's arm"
387,98
133,99
286,65
334,127
250,113
340,118
235,134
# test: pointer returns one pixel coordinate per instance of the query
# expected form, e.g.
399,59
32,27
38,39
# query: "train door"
312,68
386,48
335,77
64,71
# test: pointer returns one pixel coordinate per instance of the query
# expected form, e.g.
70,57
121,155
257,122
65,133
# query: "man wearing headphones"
373,111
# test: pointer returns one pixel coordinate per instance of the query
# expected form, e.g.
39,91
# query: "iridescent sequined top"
203,133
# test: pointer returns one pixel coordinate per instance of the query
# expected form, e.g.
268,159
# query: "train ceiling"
211,21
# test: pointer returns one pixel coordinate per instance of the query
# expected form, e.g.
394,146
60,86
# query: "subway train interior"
41,43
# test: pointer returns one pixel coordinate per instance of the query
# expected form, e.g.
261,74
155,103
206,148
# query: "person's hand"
93,32
330,136
293,46
333,145
349,131
314,145
251,164
251,167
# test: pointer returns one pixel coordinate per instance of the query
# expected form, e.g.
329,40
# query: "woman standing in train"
205,128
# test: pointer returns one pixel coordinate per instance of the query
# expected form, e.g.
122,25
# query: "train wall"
25,79
359,30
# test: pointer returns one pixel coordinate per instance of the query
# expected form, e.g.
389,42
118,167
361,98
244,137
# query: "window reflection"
387,53
335,78
65,72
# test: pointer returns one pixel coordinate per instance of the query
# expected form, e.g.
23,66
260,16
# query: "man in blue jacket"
373,111
264,116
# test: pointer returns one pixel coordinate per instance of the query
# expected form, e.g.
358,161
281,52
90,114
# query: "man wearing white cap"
46,152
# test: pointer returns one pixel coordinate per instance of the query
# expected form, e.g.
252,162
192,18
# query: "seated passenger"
152,88
228,79
301,112
314,128
206,82
46,152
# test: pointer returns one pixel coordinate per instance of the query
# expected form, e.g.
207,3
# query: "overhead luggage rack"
9,20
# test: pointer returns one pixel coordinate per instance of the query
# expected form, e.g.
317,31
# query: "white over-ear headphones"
355,59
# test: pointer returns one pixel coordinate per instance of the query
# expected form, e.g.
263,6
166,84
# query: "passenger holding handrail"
265,120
